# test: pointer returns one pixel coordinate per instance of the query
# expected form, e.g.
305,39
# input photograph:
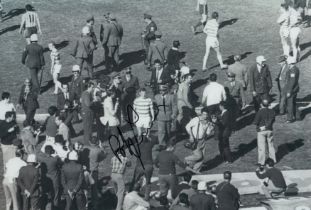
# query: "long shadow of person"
12,13
285,149
10,28
228,22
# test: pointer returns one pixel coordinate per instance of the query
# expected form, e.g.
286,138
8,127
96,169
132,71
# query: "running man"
202,8
211,29
30,23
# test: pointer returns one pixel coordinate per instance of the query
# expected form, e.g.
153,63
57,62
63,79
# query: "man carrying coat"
33,58
112,39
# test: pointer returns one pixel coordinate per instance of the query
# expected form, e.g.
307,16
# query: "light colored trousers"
8,152
270,188
119,186
264,137
212,42
294,38
10,193
284,34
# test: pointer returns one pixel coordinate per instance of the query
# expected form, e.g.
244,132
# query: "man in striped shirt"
143,114
30,23
211,29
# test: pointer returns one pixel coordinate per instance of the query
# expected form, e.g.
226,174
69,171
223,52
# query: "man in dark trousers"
28,99
173,58
76,85
291,89
202,200
63,96
260,81
228,196
87,113
159,76
51,166
29,182
33,58
104,26
72,180
148,34
167,111
223,130
281,83
113,38
157,49
130,85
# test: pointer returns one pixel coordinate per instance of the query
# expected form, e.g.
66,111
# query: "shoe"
204,70
290,121
224,67
193,29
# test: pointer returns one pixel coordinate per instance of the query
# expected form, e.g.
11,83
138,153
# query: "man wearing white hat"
72,179
76,85
291,89
83,50
260,81
33,58
28,181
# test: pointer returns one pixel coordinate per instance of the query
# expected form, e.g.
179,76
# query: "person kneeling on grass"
276,182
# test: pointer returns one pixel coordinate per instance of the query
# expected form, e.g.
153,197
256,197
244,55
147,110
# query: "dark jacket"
149,35
291,81
157,51
72,177
165,77
260,82
202,201
225,124
84,47
61,100
129,88
33,56
167,161
7,137
28,179
173,58
264,117
274,175
228,196
167,109
29,102
113,34
76,87
50,166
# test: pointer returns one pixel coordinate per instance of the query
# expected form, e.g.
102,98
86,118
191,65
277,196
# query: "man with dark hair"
33,58
159,76
51,166
213,94
223,130
63,96
189,192
8,134
30,23
6,105
260,81
202,200
227,195
276,183
183,203
173,58
211,30
264,120
132,200
87,113
157,50
112,39
63,129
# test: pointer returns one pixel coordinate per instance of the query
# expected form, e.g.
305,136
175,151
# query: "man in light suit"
112,39
33,58
159,75
167,111
83,50
157,49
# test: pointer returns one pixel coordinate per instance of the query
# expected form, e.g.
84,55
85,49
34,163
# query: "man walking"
283,21
281,83
167,111
157,50
211,30
291,89
202,8
112,39
260,81
33,58
264,120
148,34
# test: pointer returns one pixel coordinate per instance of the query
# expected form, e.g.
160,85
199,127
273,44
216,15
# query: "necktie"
198,130
157,75
163,99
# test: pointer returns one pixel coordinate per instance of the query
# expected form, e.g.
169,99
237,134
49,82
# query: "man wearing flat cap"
291,89
112,38
157,49
167,111
281,83
148,34
260,81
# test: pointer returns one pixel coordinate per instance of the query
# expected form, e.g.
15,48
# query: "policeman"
148,33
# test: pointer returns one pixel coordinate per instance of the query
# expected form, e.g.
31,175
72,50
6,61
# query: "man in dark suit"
223,131
72,179
83,50
28,181
76,85
167,111
112,38
157,49
159,75
228,196
130,86
281,83
260,81
33,58
148,34
104,26
291,89
173,57
202,200
28,99
63,96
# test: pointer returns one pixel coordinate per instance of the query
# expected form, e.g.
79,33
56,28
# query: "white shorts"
212,42
143,122
294,32
204,18
284,32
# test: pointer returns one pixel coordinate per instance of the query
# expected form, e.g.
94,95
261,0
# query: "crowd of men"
45,168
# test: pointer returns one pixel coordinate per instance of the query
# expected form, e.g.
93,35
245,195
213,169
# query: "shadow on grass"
131,58
8,29
12,13
58,46
228,22
230,59
285,149
240,151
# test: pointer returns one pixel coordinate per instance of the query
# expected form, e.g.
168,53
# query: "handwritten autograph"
131,144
